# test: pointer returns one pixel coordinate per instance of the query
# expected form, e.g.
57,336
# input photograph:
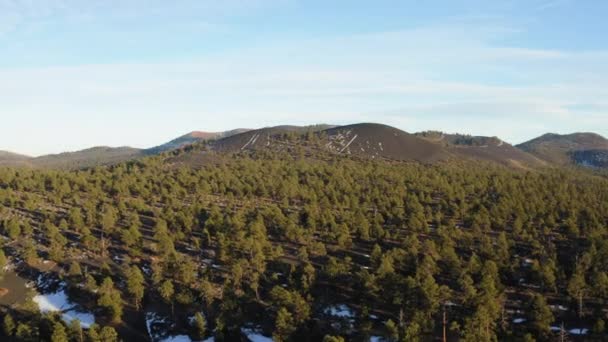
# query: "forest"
260,245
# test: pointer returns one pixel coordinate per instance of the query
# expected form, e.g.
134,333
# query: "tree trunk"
445,337
580,305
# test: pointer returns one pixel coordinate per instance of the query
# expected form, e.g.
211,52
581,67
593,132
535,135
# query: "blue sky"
81,73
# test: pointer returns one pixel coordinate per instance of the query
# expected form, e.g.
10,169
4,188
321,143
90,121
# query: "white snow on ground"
59,301
210,339
349,143
558,307
519,320
179,338
151,319
376,339
578,331
85,319
340,311
556,328
254,336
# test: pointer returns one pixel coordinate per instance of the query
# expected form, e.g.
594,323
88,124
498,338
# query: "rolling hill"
277,137
483,148
381,141
13,159
96,156
193,137
584,149
364,140
371,140
9,156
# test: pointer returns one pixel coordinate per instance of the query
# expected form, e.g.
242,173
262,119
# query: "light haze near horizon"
81,73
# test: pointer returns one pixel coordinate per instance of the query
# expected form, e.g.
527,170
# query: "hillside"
193,137
268,242
381,141
4,155
369,140
13,158
576,148
271,138
483,148
364,140
91,157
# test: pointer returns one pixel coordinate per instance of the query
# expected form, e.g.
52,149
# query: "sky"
81,73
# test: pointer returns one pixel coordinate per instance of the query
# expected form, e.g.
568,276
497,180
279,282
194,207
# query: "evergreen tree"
59,333
135,284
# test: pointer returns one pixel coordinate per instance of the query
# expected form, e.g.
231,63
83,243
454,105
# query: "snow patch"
340,311
152,319
519,320
85,319
179,338
254,336
58,301
578,331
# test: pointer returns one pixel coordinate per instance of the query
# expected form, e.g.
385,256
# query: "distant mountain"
459,139
382,141
91,157
366,140
96,156
584,149
9,156
267,137
192,138
483,148
372,140
13,159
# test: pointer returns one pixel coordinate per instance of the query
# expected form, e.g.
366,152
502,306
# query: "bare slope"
13,159
576,148
193,137
9,156
265,138
382,141
483,148
96,156
371,140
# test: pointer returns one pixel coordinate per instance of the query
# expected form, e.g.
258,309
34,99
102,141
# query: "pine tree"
109,298
283,326
8,325
167,291
135,284
200,326
541,316
108,334
577,287
59,333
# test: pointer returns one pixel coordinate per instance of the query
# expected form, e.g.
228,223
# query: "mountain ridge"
373,140
568,149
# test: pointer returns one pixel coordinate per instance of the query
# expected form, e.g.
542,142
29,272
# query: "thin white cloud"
437,77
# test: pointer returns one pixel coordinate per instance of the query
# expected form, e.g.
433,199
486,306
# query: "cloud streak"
453,77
